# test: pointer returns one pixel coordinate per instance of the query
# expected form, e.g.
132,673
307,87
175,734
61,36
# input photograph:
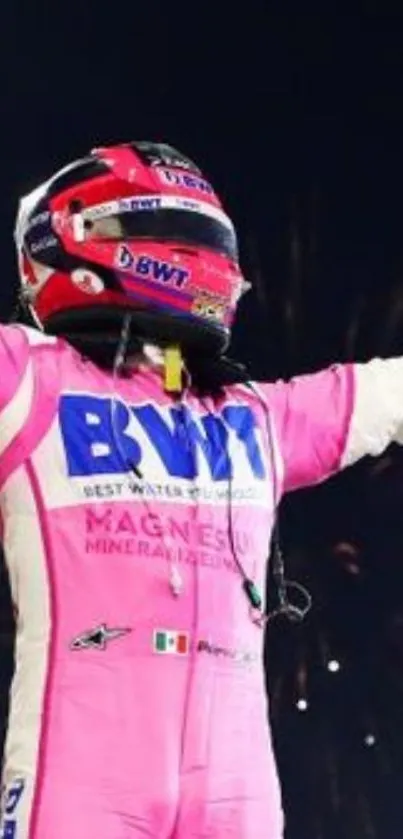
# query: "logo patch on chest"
102,436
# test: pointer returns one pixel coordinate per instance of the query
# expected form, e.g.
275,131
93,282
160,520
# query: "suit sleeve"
17,380
329,420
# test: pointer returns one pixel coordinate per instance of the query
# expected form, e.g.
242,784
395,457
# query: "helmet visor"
210,231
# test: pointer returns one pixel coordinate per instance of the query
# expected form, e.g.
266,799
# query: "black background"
296,115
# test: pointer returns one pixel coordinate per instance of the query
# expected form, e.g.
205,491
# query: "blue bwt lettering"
152,269
187,181
97,439
13,796
12,799
9,829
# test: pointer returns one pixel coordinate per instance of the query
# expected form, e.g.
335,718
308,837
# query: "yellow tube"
173,370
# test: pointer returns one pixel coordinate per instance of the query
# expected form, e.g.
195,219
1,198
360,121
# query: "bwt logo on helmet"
184,180
99,440
149,268
132,205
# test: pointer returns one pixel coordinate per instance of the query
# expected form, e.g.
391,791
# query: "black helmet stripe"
81,170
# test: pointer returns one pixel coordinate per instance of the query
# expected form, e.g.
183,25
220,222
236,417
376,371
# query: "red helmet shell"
173,253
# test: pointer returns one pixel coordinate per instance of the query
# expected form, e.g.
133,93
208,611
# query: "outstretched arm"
329,420
18,345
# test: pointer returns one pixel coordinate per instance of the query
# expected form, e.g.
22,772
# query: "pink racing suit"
138,706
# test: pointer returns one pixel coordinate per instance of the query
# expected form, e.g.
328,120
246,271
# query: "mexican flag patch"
171,643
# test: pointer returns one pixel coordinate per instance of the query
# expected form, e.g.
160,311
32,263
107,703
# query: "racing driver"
140,475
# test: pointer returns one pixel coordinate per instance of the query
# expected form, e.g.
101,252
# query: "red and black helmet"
134,228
